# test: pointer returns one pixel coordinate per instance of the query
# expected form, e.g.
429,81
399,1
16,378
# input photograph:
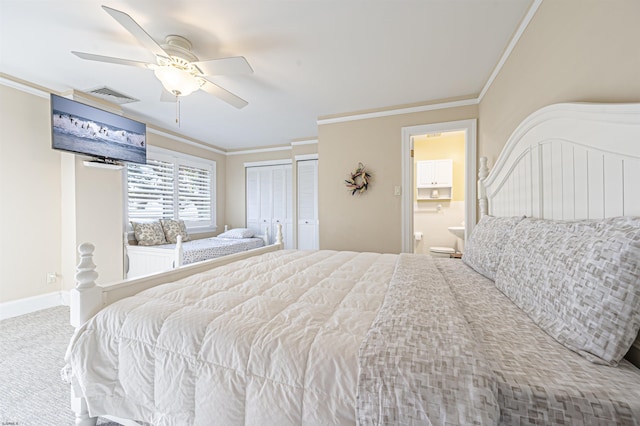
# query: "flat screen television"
108,137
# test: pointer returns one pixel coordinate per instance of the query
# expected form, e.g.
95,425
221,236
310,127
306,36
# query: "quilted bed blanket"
420,363
290,337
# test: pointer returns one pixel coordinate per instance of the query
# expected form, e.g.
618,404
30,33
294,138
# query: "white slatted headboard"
568,161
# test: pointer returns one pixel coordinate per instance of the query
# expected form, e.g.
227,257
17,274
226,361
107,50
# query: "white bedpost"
265,236
126,253
86,297
179,252
79,406
85,300
483,172
279,235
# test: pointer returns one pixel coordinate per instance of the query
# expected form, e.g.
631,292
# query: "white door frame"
470,174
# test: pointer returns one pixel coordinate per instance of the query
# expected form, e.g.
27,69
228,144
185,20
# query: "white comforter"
270,340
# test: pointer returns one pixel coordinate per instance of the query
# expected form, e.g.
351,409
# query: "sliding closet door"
282,211
254,221
269,201
308,205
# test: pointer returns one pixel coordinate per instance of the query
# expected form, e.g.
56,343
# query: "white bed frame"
568,162
145,260
87,298
565,161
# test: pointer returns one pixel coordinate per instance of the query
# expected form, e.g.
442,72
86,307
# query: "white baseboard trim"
27,305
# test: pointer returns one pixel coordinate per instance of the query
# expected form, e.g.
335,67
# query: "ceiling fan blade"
224,94
110,59
224,66
137,31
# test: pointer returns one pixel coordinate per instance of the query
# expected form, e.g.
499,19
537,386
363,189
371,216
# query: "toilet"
441,251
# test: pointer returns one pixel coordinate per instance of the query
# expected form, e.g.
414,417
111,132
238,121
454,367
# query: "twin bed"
531,327
150,259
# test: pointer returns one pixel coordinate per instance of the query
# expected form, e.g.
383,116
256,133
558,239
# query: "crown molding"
398,111
260,150
304,142
180,139
24,87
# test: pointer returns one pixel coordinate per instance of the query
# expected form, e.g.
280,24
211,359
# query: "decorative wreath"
359,181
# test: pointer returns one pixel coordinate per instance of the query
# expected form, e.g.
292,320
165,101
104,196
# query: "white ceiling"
311,58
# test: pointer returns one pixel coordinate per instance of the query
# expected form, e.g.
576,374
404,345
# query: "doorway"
430,205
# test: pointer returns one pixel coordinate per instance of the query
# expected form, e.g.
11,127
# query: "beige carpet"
32,351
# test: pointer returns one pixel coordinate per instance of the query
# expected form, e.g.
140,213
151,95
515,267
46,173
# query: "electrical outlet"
52,277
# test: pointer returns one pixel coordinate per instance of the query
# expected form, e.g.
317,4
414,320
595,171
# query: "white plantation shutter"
150,190
194,194
172,186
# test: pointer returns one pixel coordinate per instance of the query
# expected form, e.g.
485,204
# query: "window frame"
178,159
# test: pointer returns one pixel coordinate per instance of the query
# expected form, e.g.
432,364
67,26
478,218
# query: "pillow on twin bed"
579,281
173,228
237,233
484,247
148,233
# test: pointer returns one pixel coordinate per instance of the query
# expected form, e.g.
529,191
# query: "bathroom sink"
458,231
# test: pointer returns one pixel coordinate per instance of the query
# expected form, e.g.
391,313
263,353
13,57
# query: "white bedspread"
271,340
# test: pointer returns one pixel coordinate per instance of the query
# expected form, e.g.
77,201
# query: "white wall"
433,224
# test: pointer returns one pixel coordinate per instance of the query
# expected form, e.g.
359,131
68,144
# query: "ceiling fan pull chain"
178,110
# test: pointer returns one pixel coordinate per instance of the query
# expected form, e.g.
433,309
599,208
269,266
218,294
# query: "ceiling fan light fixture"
177,81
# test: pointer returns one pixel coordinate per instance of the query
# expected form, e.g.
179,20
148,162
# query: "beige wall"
235,179
51,202
372,221
29,197
572,51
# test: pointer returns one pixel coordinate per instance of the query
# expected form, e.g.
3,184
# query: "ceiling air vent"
111,95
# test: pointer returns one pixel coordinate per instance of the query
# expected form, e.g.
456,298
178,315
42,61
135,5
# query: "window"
172,186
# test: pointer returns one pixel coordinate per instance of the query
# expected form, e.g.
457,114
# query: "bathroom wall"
428,218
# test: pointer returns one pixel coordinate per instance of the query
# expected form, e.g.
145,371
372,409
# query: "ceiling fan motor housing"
179,48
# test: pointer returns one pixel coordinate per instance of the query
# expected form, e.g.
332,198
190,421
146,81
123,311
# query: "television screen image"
83,129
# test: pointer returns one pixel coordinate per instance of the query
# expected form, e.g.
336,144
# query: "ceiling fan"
177,68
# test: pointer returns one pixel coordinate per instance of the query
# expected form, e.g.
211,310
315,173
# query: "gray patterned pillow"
579,281
148,233
484,247
173,228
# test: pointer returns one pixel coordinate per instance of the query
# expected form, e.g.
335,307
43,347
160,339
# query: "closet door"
282,204
253,216
265,188
308,205
269,201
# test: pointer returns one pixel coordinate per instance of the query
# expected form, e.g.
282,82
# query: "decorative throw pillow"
148,233
237,233
173,228
579,281
483,249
